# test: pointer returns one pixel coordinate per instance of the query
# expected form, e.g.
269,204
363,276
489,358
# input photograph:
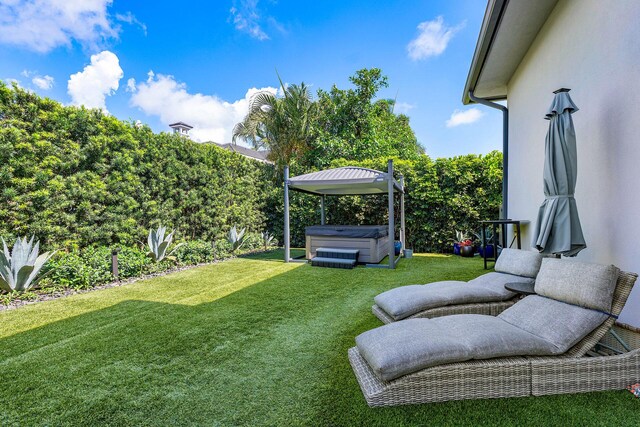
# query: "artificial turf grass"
251,341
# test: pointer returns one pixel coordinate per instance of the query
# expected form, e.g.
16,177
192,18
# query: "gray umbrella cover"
558,229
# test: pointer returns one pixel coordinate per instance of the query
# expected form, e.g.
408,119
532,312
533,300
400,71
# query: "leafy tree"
351,125
280,124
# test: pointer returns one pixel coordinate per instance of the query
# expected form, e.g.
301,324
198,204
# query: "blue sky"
199,62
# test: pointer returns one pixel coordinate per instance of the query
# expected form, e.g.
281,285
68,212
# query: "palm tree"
280,124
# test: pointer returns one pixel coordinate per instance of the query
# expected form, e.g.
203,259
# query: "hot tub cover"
354,231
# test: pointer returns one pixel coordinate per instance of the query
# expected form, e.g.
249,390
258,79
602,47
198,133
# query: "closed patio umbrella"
558,229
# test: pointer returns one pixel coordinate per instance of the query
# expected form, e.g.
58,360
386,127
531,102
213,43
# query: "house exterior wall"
593,48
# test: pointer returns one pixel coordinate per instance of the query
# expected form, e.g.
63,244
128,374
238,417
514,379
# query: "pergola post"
322,214
392,254
402,230
287,244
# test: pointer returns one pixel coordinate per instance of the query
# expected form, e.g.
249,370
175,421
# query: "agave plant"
235,238
267,239
488,234
20,267
461,237
159,244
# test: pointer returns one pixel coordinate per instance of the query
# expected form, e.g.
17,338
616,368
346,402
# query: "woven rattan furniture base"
553,375
505,377
610,367
488,308
480,379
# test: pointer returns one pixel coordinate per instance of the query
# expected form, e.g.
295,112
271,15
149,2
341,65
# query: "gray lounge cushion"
408,346
405,301
534,326
561,325
494,282
583,284
519,262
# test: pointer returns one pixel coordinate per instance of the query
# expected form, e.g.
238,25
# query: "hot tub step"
333,262
338,253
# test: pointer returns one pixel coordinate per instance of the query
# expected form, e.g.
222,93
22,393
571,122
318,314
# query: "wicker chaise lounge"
485,294
596,362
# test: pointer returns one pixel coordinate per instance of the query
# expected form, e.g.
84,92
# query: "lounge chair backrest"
519,262
584,284
623,290
559,324
570,328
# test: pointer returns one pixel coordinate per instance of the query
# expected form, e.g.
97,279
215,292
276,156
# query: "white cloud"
100,79
466,117
132,20
42,25
213,119
43,82
131,85
9,81
245,18
403,107
433,38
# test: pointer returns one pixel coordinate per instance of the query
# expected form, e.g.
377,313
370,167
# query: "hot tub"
371,240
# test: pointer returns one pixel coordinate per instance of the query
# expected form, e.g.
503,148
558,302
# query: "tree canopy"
348,124
351,124
280,124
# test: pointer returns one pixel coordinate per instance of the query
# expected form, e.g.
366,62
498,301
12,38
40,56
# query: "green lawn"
251,341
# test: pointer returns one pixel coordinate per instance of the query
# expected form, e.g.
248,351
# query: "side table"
500,224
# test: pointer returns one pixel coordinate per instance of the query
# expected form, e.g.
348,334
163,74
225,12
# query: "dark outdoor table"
502,224
521,288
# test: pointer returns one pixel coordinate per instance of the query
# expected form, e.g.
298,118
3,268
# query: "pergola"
347,181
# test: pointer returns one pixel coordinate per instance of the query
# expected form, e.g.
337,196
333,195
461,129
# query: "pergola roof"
348,180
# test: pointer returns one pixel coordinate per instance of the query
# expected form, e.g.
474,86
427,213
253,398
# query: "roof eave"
508,30
490,24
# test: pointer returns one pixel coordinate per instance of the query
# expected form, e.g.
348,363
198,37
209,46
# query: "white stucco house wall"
525,51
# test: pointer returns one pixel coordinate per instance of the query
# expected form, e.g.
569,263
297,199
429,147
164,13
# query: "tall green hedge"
76,177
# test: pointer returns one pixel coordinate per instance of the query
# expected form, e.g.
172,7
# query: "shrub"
69,270
78,178
92,267
195,252
222,249
134,262
98,263
253,241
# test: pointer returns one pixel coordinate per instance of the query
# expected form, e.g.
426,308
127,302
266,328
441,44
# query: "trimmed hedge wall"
76,178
